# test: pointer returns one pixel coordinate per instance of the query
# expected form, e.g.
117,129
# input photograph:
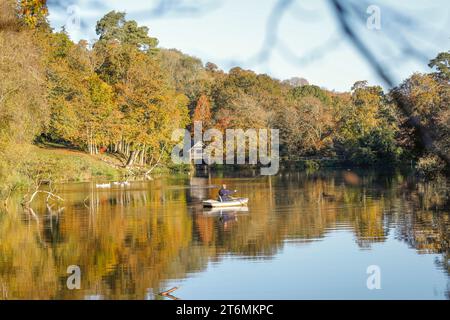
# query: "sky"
307,41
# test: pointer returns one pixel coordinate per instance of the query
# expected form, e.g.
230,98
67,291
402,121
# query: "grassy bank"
64,165
30,164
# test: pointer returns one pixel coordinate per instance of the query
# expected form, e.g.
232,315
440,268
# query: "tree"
23,105
296,82
98,117
429,99
23,108
202,112
211,67
367,130
33,12
185,74
310,90
442,64
113,27
243,99
306,127
149,109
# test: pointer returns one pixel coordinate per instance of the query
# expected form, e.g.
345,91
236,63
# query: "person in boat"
225,194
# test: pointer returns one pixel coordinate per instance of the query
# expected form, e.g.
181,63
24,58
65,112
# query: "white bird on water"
115,183
122,184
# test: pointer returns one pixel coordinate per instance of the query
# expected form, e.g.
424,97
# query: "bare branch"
50,194
157,162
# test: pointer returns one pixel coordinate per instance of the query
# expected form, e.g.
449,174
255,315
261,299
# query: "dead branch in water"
50,195
168,293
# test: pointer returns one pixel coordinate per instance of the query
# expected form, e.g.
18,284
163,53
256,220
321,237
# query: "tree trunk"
143,155
131,158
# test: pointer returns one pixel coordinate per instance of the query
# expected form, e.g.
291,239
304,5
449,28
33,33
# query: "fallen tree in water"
51,195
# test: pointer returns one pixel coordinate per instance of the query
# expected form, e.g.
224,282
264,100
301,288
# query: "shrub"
430,166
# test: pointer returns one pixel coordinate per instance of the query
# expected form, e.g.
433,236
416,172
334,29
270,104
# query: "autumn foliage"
123,95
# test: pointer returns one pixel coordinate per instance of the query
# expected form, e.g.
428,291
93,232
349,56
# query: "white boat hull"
226,210
229,203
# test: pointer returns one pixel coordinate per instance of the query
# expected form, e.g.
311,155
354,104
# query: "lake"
336,234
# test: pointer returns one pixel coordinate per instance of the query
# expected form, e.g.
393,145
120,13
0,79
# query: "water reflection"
130,243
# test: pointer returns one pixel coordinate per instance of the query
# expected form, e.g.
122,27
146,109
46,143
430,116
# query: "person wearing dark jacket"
224,194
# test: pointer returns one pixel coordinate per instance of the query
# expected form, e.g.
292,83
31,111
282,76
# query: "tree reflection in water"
130,242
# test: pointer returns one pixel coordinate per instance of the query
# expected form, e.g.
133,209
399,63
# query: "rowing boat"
236,202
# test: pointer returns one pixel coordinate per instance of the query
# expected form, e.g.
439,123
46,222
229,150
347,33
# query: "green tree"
113,27
310,91
367,133
442,64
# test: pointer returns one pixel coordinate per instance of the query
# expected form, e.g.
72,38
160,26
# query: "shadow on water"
131,242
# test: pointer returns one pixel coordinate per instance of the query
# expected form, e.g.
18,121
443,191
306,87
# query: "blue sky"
308,44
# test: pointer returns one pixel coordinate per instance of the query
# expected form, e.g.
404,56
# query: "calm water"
304,236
